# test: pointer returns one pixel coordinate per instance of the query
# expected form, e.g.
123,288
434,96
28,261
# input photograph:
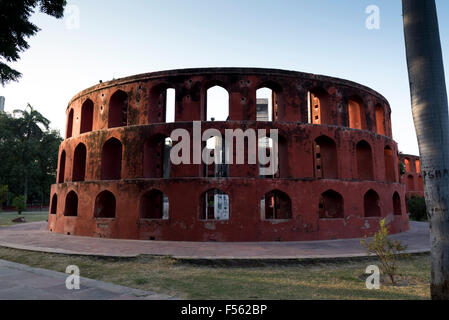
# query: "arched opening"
105,205
372,204
408,167
216,166
418,166
420,184
380,120
118,110
154,205
111,160
319,112
217,104
331,205
214,205
356,113
156,157
325,158
397,209
71,205
389,165
162,104
276,205
364,161
170,102
61,176
267,102
410,183
276,153
54,204
69,131
79,163
87,116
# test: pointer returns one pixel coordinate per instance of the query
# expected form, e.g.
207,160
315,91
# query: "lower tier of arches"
226,210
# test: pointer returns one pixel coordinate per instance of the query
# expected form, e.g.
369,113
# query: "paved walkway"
19,282
35,237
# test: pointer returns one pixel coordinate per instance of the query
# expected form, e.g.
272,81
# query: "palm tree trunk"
430,114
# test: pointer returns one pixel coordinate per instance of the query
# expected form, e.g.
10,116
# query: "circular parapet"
338,165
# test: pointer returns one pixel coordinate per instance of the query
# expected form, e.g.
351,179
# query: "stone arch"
217,95
156,157
380,120
283,167
389,164
268,101
87,116
105,205
364,161
154,205
69,132
162,104
54,204
397,208
325,158
319,107
118,110
276,205
410,183
356,110
79,163
408,166
111,160
372,204
418,166
217,154
61,176
71,204
331,205
420,184
214,205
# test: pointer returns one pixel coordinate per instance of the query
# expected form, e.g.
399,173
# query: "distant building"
412,176
262,109
2,104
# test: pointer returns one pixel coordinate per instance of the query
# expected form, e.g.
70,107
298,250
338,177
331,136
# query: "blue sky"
118,38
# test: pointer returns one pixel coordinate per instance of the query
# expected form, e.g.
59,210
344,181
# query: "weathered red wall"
244,187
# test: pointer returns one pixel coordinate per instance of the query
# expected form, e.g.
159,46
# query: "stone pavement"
35,237
19,282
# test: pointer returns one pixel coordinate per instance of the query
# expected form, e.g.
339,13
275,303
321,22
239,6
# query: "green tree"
28,154
18,203
430,114
30,132
3,195
16,28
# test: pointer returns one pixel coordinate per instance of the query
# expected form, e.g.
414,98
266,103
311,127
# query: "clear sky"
118,38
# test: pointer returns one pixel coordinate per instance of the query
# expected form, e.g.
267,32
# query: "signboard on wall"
221,208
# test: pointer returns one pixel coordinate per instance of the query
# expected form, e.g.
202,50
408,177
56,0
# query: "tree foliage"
3,195
28,154
16,29
417,208
19,203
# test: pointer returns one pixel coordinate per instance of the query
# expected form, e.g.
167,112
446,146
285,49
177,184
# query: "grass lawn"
229,280
7,217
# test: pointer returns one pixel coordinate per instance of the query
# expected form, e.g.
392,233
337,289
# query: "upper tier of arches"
228,94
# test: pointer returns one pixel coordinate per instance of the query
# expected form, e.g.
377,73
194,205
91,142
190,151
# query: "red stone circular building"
412,176
338,164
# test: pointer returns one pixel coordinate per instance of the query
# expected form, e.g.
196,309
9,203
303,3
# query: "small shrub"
19,203
386,250
417,208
